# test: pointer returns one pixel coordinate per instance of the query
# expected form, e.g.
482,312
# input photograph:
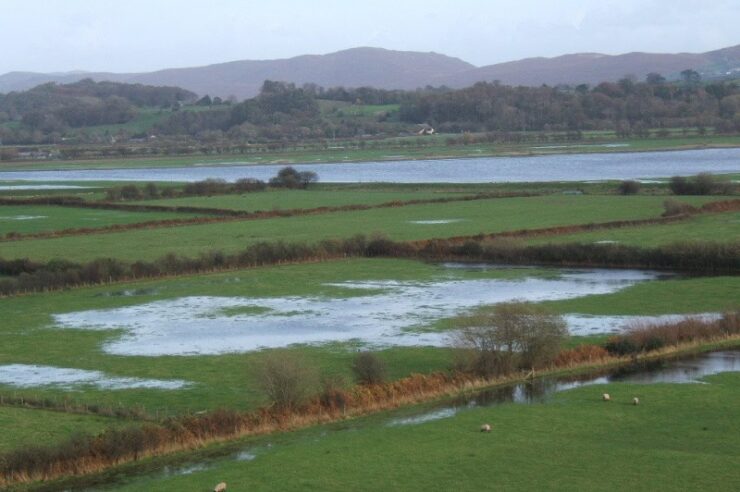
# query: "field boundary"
222,215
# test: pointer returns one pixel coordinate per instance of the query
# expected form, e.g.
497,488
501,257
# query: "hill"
387,69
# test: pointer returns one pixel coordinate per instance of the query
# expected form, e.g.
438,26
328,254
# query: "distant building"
425,130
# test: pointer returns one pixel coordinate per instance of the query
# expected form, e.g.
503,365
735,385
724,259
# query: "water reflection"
684,370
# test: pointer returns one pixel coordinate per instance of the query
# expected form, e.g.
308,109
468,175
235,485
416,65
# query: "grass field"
465,218
573,442
22,426
714,227
29,336
37,218
289,199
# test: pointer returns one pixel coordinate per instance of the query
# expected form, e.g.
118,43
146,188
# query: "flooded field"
573,167
376,313
33,376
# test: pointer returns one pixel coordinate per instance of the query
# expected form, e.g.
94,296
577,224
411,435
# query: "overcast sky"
143,35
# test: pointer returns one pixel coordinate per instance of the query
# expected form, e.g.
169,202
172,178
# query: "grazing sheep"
485,428
635,401
606,397
220,487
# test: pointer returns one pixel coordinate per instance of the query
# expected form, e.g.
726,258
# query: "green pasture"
24,426
26,219
29,336
290,199
710,227
681,437
466,218
221,380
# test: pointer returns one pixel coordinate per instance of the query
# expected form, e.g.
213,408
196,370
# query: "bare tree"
286,379
499,339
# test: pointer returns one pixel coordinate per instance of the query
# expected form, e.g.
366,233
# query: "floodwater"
21,187
378,313
435,221
687,369
33,376
561,167
23,217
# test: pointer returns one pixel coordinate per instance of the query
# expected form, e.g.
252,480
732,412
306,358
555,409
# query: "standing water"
687,369
570,167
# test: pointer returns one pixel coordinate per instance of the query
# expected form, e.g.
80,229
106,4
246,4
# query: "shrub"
288,177
674,207
646,338
629,187
620,345
286,379
368,368
508,336
582,353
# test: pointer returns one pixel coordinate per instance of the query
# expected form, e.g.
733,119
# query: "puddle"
443,413
381,313
40,187
183,470
435,221
129,293
23,217
245,456
31,376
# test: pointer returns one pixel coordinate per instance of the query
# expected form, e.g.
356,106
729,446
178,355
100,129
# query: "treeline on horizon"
286,112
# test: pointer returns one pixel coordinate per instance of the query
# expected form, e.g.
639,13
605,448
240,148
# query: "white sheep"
635,401
485,428
606,397
221,487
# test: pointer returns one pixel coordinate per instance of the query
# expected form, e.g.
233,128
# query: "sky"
145,35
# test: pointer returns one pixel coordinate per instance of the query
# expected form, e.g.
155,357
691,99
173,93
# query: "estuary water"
561,167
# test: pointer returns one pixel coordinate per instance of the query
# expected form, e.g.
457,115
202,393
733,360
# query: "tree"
654,78
629,187
288,177
499,339
691,78
286,379
205,101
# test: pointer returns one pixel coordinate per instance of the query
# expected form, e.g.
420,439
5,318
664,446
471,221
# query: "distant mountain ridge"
388,69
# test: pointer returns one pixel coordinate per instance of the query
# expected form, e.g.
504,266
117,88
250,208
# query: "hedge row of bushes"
647,338
24,275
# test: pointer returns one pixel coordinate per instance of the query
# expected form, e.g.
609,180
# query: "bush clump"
368,368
